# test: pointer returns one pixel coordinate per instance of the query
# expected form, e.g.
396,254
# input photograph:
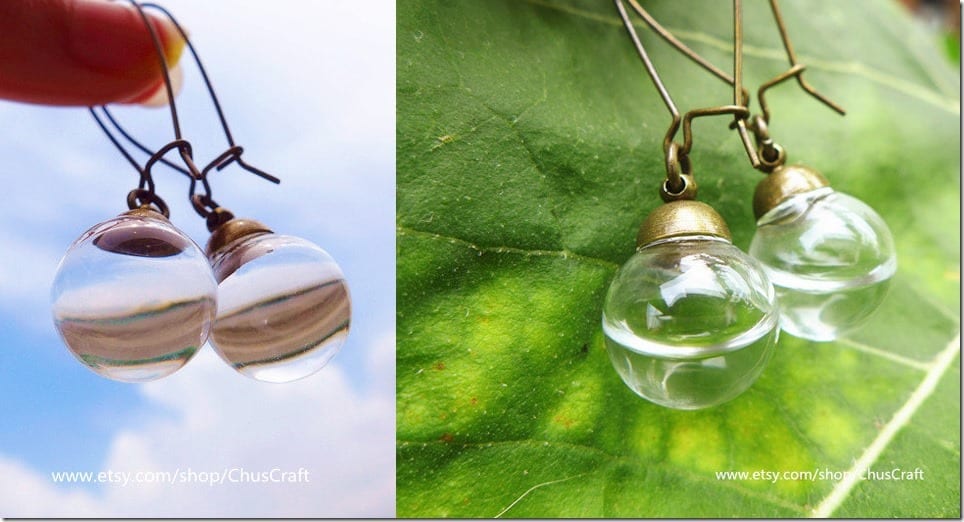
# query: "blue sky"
308,88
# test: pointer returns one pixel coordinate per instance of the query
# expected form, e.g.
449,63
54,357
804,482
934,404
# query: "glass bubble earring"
690,321
283,309
283,303
134,297
829,255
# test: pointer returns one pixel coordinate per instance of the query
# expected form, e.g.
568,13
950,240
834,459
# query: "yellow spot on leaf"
696,443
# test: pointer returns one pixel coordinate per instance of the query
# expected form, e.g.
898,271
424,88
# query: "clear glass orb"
283,307
690,322
830,258
134,298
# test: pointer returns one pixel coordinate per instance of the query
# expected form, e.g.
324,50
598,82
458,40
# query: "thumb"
82,52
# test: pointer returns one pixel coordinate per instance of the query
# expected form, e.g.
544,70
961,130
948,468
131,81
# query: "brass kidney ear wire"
796,71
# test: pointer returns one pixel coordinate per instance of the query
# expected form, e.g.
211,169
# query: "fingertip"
111,37
82,52
158,95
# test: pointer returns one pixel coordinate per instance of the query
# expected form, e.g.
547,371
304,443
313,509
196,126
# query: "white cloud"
211,419
24,492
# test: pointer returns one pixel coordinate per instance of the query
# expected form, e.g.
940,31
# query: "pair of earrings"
690,321
134,298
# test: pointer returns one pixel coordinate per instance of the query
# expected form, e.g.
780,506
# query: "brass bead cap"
232,230
681,218
783,183
145,212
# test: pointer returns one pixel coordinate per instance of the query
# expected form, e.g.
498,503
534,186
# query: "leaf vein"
900,419
563,254
847,68
879,352
533,488
672,469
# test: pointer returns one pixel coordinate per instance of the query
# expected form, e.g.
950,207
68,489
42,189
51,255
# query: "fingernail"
158,96
111,37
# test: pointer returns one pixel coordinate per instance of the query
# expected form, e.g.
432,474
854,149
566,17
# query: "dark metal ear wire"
234,151
144,195
796,69
120,130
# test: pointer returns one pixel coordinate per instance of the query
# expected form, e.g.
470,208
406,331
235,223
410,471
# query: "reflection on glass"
831,259
690,322
134,298
283,307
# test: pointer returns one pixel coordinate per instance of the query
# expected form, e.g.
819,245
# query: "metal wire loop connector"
679,183
771,154
674,181
142,198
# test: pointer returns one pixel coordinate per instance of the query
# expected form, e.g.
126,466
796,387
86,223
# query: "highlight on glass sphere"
829,255
283,305
134,298
690,321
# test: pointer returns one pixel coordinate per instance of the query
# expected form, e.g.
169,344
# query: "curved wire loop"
674,168
203,204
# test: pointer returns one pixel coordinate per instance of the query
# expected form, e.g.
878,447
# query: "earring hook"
715,71
653,75
740,96
204,205
796,70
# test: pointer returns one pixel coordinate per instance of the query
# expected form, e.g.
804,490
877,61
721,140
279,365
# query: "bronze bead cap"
783,183
681,218
230,231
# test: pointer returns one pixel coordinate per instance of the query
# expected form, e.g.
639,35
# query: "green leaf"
528,152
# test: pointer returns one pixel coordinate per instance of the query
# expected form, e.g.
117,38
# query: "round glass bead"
134,298
283,307
690,322
830,258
